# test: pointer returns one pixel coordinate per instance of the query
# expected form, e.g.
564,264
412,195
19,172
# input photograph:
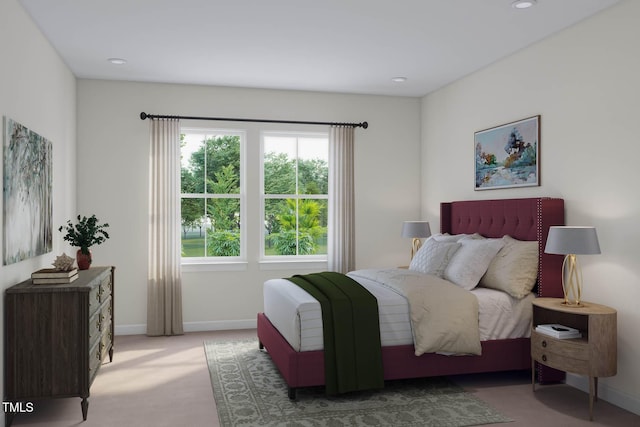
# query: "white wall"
113,167
584,84
38,91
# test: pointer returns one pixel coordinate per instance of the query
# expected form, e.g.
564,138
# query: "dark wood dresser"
57,336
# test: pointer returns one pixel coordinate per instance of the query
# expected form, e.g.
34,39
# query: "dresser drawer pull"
544,343
544,357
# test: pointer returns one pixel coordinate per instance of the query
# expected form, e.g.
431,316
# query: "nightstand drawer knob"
544,357
544,343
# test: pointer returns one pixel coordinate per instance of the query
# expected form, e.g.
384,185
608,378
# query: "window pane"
312,220
191,163
193,227
313,166
315,212
222,164
223,236
295,227
273,211
279,165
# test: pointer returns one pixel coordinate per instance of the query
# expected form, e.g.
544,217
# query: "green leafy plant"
85,233
290,242
223,243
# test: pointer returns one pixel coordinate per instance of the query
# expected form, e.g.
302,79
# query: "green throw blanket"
352,349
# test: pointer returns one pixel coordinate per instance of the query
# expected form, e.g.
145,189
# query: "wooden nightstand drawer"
562,362
571,349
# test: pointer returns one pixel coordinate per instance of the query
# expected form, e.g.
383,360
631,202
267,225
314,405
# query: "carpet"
249,391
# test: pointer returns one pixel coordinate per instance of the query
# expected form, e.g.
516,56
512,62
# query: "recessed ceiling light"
523,4
117,61
399,79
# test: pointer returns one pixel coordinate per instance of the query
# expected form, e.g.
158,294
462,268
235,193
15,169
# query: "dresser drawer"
99,321
105,289
106,342
95,328
95,359
106,313
94,299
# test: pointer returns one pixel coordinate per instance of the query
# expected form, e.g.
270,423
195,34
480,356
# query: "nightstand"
593,355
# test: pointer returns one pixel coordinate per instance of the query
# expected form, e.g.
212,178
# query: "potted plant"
84,234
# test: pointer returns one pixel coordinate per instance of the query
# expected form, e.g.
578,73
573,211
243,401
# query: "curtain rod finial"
365,125
143,115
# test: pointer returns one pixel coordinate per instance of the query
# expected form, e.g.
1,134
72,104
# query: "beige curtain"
341,239
164,287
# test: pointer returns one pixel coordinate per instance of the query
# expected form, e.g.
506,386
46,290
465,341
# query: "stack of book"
558,331
51,276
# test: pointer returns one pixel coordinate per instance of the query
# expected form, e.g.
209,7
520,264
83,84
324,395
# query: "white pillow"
514,269
433,257
471,261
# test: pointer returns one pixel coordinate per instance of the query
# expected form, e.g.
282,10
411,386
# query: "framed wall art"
27,193
507,156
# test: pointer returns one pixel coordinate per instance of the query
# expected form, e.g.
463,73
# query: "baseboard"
610,394
221,325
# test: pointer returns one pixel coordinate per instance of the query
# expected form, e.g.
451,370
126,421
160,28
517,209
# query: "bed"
522,219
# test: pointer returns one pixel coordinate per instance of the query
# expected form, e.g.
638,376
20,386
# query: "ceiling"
347,46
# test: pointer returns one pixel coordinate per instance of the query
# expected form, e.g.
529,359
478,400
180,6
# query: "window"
295,181
212,195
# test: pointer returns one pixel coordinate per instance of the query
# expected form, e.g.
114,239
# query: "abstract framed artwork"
27,194
508,155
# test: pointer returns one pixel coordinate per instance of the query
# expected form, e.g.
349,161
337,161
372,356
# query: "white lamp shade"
565,240
416,229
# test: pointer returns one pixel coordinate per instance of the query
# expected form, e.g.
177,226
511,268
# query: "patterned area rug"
249,391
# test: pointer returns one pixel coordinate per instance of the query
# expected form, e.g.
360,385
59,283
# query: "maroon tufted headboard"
522,219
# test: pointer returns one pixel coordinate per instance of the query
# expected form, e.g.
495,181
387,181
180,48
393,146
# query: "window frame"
302,260
212,263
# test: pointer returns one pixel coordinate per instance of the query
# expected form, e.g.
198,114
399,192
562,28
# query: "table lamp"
571,241
416,230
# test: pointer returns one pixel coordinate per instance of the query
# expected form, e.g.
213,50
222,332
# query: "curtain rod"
144,116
